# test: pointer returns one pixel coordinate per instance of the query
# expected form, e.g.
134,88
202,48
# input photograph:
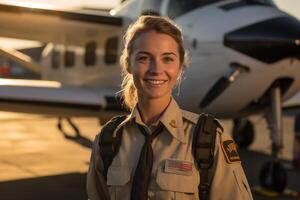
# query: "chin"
155,95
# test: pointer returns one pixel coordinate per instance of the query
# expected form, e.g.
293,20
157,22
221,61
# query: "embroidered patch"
230,151
178,167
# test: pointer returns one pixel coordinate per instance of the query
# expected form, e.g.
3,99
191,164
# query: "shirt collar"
171,119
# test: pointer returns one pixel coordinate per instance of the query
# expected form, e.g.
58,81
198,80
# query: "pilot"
154,157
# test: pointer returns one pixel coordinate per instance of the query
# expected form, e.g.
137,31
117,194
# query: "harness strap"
110,144
203,150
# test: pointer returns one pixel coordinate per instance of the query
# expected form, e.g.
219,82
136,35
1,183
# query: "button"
173,124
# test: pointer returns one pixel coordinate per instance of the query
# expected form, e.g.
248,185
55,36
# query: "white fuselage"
204,29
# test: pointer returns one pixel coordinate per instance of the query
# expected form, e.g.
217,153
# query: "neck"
151,109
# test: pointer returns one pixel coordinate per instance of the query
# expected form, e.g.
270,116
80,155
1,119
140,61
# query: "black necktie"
143,170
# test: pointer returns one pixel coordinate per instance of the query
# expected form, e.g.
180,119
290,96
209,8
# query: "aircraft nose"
268,41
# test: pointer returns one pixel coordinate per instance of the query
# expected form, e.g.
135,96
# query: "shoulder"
194,117
229,149
110,127
190,116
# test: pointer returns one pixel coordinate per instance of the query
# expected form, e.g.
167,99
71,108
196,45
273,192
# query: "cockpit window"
152,6
180,7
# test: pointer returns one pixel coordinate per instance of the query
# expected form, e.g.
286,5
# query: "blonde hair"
142,25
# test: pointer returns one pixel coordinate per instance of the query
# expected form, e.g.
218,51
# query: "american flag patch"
178,167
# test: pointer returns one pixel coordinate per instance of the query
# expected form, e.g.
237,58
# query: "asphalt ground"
37,161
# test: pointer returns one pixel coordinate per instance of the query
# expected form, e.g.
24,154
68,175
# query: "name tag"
178,167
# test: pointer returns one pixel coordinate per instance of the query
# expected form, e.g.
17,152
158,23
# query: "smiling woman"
156,47
155,67
158,151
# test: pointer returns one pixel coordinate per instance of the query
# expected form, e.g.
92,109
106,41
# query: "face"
155,65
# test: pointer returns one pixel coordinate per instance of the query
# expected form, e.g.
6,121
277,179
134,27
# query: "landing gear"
72,125
76,136
273,175
243,132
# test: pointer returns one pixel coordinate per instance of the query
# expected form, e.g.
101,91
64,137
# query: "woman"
155,159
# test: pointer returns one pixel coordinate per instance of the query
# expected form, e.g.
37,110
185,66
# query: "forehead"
156,42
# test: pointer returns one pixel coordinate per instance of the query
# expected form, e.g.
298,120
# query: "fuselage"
205,28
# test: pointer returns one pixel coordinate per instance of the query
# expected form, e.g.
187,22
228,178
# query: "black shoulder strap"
203,151
109,145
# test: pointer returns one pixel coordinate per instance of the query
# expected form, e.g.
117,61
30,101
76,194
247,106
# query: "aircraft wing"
50,97
72,27
292,105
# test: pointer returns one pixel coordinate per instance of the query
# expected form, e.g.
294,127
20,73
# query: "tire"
273,176
243,133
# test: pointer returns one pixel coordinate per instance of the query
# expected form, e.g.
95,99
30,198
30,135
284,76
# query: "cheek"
138,69
137,72
175,73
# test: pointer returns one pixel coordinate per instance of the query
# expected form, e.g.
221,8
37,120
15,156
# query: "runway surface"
37,161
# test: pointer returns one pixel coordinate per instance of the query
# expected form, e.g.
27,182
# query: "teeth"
155,82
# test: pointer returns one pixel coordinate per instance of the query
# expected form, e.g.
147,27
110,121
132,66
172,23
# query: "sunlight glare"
30,4
29,83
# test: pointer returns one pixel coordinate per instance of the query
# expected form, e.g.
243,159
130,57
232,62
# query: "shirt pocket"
242,183
176,186
118,179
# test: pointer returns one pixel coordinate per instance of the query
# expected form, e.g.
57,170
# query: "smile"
155,82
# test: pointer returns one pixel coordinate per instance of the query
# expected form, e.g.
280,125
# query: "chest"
173,169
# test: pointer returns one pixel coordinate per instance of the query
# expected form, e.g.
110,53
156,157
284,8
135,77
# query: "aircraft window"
153,7
90,53
55,59
111,50
180,7
69,58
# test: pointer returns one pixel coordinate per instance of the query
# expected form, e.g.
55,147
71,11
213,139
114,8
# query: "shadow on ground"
66,186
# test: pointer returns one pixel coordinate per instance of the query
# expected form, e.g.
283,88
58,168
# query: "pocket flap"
177,182
118,176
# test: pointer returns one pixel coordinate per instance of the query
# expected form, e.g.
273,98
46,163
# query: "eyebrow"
164,54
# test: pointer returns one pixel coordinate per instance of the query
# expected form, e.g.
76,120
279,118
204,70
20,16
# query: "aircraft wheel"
243,133
273,176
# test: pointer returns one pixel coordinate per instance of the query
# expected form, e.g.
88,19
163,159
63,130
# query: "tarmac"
37,161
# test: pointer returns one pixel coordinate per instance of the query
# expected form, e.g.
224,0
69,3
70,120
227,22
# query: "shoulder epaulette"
190,116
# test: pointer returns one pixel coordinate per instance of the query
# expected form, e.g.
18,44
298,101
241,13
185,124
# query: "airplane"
244,60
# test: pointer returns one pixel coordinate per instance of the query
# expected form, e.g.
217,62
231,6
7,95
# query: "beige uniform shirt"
172,146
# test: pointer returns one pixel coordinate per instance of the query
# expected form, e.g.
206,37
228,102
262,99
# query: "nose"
268,41
155,66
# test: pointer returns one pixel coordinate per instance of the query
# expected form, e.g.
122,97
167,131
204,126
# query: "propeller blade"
215,91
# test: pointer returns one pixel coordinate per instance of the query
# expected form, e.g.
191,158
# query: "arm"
229,181
96,185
